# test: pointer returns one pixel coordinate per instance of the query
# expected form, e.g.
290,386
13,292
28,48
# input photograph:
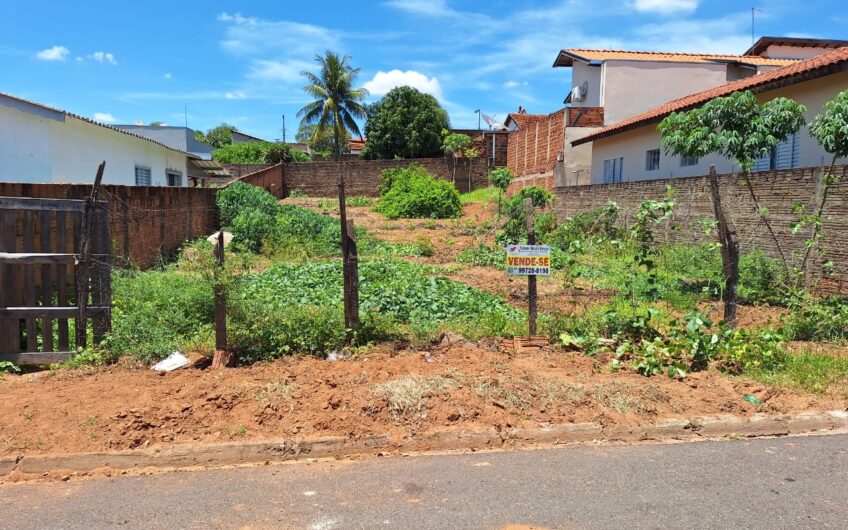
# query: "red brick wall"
146,223
362,177
482,141
533,149
270,178
779,191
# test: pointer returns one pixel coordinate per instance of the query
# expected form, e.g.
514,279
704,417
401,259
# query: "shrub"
424,245
599,224
250,228
239,196
516,228
412,193
819,320
155,313
760,279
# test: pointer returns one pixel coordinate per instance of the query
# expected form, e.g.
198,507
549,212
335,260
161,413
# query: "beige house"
630,149
609,86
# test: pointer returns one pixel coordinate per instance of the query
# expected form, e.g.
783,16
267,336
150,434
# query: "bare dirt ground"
386,391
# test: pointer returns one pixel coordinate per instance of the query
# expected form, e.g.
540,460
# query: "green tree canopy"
735,126
321,144
258,153
217,136
405,123
830,128
337,104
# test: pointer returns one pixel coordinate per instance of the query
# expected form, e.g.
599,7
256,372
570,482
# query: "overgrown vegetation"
413,193
258,153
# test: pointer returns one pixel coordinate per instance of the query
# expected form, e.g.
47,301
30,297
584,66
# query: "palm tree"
337,103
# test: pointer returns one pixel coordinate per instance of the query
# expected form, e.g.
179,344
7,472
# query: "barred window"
142,176
686,161
652,160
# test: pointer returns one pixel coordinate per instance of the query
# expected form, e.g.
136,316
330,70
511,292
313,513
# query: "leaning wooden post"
729,252
83,265
351,280
223,357
531,279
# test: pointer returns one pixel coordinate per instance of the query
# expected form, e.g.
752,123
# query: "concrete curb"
699,427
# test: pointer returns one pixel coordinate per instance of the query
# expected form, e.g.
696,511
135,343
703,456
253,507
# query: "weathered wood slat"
39,258
62,277
48,312
29,279
36,358
30,203
45,224
10,341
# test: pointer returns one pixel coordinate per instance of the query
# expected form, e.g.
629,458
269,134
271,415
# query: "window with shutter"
652,160
613,170
142,176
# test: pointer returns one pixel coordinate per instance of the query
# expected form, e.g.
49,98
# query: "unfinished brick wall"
146,223
482,142
778,191
270,178
239,170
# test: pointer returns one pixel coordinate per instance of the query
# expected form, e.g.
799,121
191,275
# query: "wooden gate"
44,265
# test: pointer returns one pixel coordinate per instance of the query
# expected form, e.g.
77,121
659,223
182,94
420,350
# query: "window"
785,155
612,170
175,178
142,176
686,161
652,160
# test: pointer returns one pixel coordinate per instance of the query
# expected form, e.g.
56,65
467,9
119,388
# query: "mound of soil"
401,393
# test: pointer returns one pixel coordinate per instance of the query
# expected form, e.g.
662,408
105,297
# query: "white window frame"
652,160
140,179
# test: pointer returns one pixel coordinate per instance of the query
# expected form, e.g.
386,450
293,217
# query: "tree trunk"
729,253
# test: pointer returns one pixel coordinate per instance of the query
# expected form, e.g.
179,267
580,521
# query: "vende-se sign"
525,260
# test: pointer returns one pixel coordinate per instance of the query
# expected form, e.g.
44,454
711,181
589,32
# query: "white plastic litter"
172,362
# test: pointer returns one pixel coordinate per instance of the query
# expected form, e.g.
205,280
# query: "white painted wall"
581,72
38,149
632,145
632,87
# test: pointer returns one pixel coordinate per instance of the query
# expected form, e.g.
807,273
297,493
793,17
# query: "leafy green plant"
405,123
424,245
239,196
412,193
825,319
515,230
358,201
7,367
258,153
650,214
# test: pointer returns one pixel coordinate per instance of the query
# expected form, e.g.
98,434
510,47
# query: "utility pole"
478,119
284,128
753,10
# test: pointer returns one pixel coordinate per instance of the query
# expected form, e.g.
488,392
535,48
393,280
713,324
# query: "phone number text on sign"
524,260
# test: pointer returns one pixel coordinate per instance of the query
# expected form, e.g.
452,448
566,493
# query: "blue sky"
239,62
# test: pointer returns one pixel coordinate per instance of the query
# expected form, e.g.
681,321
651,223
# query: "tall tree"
218,136
337,104
406,123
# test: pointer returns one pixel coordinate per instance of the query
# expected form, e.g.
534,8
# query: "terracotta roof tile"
523,120
356,143
567,57
820,63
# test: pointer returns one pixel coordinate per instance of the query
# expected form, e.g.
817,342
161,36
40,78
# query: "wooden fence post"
729,252
531,279
83,263
351,280
223,357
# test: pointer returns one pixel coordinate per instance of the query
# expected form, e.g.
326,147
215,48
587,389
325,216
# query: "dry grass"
407,395
276,393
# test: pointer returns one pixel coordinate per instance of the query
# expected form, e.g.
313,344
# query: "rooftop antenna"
284,128
753,10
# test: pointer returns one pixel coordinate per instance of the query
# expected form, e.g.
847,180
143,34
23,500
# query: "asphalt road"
798,482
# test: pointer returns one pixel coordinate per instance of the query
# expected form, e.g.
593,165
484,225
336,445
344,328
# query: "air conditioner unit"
579,92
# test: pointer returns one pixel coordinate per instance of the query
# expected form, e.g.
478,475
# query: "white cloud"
103,57
56,53
167,75
514,84
438,8
385,81
255,36
238,94
104,117
666,7
285,71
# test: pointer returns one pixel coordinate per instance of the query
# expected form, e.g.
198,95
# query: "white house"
41,144
630,149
